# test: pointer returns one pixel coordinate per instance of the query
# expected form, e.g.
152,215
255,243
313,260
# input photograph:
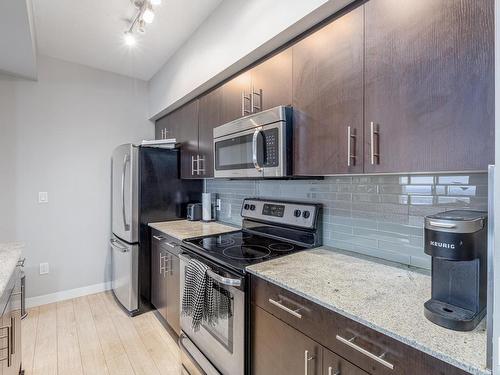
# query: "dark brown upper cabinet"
210,116
182,124
272,82
429,85
328,98
186,119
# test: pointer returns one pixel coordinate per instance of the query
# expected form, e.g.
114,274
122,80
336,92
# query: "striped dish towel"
203,299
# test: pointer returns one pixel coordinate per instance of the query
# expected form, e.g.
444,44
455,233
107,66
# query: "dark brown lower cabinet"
165,278
173,274
284,325
279,349
158,281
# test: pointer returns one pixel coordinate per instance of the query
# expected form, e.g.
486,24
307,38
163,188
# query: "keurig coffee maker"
457,242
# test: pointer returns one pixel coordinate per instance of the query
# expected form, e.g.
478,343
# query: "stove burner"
246,252
281,246
241,235
216,242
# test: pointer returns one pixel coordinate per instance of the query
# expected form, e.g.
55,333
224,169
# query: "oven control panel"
298,214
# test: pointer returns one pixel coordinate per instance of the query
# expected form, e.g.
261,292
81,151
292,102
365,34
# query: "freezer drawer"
124,275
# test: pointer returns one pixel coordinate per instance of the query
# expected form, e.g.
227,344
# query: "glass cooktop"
240,249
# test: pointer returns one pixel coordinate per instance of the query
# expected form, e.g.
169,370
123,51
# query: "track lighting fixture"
144,15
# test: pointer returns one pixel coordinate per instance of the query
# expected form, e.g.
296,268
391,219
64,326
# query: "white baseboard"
67,294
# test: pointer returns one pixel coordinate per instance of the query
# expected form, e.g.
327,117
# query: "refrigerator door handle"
126,160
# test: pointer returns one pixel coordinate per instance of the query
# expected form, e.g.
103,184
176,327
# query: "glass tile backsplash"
381,216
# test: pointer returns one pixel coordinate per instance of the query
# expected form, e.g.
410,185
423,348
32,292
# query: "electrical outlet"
43,197
44,268
218,204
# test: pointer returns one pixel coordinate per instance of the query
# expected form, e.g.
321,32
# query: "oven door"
221,345
258,152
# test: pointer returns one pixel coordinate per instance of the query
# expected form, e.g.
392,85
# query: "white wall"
64,128
238,33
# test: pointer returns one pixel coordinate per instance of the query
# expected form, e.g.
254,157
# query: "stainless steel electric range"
270,229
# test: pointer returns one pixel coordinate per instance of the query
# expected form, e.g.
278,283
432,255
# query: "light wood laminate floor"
91,335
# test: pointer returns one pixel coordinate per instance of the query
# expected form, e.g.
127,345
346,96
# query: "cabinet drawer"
368,349
166,242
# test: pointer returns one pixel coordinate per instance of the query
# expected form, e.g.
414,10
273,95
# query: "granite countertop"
380,295
9,256
183,229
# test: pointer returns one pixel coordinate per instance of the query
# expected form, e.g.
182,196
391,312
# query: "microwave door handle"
126,160
255,158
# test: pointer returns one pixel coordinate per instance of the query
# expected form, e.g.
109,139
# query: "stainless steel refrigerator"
146,188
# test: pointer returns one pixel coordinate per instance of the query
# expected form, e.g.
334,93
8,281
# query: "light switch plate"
43,197
44,268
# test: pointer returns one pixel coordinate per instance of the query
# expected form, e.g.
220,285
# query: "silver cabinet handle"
114,243
254,107
126,160
379,358
351,137
254,149
307,359
284,308
172,244
373,131
442,225
159,238
195,165
224,280
244,98
200,159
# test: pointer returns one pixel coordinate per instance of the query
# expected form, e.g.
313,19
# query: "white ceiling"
90,32
17,41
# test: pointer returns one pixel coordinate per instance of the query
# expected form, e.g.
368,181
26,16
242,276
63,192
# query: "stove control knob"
252,207
246,206
306,214
297,213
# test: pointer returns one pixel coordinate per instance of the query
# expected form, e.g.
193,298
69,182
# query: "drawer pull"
172,244
284,308
159,238
378,358
330,371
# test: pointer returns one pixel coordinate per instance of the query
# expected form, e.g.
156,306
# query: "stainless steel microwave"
255,146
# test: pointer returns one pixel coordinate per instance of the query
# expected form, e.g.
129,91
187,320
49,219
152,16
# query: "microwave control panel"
271,148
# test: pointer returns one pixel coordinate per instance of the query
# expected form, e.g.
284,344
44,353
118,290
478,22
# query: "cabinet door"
335,365
236,98
278,349
272,82
328,98
210,116
158,276
186,133
164,127
429,77
173,292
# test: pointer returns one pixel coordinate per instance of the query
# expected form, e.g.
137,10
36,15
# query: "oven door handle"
228,281
255,158
224,280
